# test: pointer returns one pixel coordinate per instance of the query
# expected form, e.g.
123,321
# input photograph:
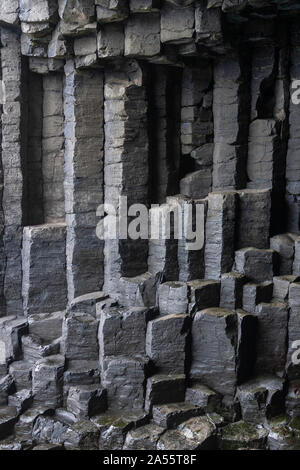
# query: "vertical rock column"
2,255
83,105
268,130
231,118
34,149
197,131
126,166
293,153
219,232
13,157
164,143
53,149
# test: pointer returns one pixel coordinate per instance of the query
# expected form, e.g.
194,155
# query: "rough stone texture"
271,337
166,342
220,226
209,355
173,104
256,265
44,270
80,336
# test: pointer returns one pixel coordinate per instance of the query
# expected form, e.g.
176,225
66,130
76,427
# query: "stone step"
243,435
170,415
164,388
114,427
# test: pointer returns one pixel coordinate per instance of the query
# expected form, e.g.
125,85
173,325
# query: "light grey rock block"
123,378
21,372
203,294
47,326
35,348
243,435
47,381
142,35
214,337
173,298
85,401
79,341
220,223
44,268
207,400
271,338
122,331
177,24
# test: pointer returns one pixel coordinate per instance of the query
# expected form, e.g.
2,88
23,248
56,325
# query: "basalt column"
83,105
231,118
2,256
13,145
126,166
293,154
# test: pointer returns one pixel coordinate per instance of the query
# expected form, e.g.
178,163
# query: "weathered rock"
243,435
143,438
83,435
21,400
163,389
219,248
21,372
85,401
47,326
35,348
123,378
166,342
173,414
47,381
173,298
214,337
255,264
80,336
202,430
7,387
231,294
123,331
8,417
254,294
261,399
200,395
113,427
87,303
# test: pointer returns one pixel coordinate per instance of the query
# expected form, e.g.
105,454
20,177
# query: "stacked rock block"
143,344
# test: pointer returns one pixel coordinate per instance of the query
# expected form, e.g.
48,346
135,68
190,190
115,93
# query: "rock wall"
143,344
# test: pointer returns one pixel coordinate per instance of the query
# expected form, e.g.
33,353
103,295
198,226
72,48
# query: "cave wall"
133,344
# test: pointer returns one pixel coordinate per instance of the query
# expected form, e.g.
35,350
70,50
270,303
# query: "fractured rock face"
166,342
214,337
80,336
